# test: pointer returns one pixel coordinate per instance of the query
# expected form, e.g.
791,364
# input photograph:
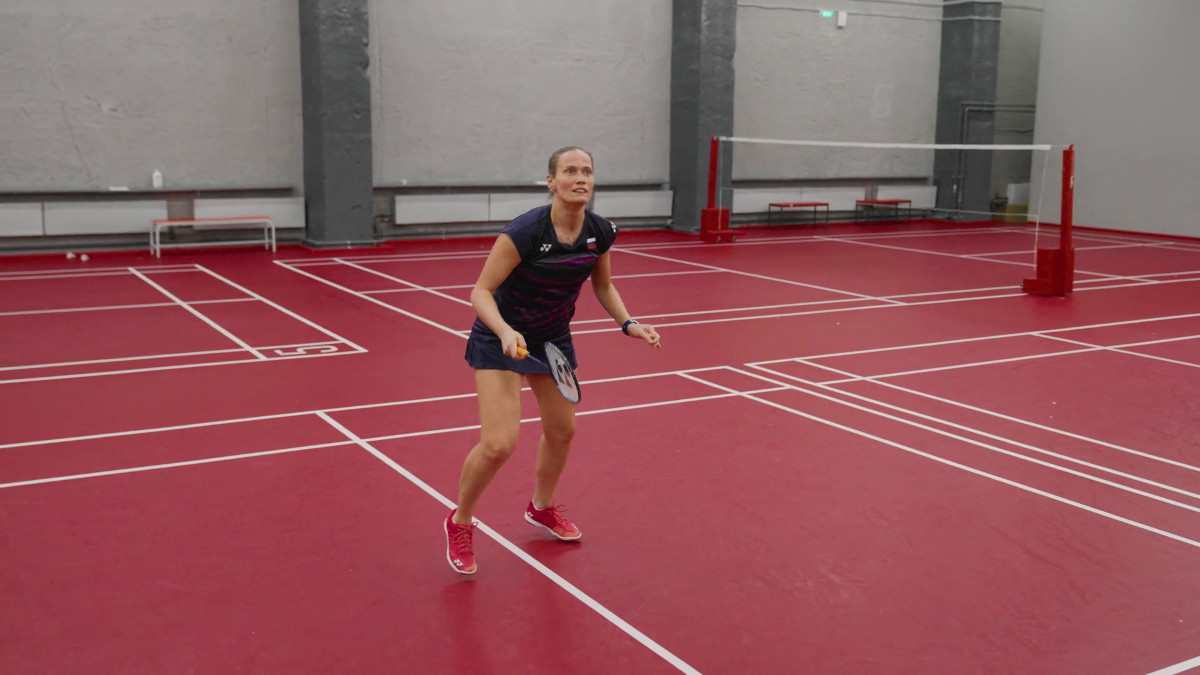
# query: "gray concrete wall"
1130,101
471,91
1016,84
798,76
98,94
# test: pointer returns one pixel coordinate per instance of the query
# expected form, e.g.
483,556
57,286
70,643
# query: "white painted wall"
100,94
484,92
1119,80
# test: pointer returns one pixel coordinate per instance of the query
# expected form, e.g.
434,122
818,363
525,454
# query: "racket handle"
522,352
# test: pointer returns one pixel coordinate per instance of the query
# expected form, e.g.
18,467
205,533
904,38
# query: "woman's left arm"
610,300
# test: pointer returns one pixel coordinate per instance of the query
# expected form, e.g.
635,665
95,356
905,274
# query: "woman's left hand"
646,332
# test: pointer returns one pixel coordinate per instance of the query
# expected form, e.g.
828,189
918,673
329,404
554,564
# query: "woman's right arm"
502,260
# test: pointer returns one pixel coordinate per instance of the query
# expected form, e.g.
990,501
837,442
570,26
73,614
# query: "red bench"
782,206
865,205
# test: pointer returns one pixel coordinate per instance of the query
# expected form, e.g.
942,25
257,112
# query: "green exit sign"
826,14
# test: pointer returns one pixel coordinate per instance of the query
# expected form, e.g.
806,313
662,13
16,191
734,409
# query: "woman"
525,297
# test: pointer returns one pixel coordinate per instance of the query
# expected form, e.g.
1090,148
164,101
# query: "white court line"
464,286
65,273
204,364
368,298
840,301
43,277
120,359
977,257
281,308
1179,667
1077,248
149,305
780,315
550,574
170,465
213,324
977,472
985,411
376,439
750,274
995,437
324,413
1124,349
301,413
997,336
409,284
1088,347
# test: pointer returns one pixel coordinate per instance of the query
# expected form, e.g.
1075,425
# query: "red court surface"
861,449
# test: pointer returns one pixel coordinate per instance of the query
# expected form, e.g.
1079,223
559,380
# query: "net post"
714,222
1056,267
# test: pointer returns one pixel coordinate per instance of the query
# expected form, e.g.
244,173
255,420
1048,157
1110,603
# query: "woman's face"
573,182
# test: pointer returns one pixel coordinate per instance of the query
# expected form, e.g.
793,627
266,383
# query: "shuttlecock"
83,257
70,255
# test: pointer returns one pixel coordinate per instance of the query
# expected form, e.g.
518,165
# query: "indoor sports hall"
926,276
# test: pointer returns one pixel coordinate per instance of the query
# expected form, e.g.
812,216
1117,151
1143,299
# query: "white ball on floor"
70,255
83,257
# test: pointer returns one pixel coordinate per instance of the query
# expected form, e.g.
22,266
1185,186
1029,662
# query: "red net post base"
714,226
1055,273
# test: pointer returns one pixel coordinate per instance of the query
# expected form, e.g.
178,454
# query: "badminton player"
525,297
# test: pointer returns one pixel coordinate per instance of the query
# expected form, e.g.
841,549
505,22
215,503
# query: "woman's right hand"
510,341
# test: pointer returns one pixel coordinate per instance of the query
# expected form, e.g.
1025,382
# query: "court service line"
415,287
992,413
996,336
170,465
452,287
978,472
375,439
1077,248
120,359
780,315
1088,347
428,322
352,408
149,369
840,301
1183,666
42,277
809,238
280,308
995,437
220,329
1124,349
748,274
997,296
102,308
30,275
977,257
550,574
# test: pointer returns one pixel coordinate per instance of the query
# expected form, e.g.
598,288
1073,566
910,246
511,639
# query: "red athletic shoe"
552,520
459,551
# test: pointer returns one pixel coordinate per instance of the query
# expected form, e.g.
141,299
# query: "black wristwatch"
625,326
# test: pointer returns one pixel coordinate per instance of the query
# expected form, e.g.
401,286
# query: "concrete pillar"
338,178
970,53
704,33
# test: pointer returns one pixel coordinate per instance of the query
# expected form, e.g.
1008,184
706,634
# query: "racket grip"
522,352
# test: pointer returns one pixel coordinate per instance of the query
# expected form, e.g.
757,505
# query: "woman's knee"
498,446
559,433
